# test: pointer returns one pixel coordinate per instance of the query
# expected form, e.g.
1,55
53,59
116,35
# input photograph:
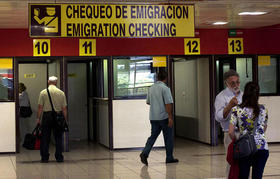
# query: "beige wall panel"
131,125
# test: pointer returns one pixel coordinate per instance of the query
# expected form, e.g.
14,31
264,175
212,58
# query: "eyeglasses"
233,83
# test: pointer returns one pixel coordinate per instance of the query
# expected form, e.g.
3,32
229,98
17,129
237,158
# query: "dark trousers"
157,127
48,125
257,161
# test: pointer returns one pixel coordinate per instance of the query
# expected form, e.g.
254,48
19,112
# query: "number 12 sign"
192,46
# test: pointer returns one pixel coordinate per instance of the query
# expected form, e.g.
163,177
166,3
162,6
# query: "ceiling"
14,13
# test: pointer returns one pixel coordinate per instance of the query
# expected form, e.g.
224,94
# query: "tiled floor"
93,161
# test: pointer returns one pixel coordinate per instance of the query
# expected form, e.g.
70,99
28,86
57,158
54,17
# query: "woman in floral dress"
243,117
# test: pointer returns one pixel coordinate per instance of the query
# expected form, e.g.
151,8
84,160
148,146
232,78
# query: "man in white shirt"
225,101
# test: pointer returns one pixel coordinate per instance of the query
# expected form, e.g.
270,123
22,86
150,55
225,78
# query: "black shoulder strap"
50,99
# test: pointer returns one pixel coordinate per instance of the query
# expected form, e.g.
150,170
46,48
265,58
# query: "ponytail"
251,97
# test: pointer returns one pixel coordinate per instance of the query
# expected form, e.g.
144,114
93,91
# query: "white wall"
272,103
54,70
186,88
203,100
7,127
33,87
77,101
131,125
192,99
103,123
105,72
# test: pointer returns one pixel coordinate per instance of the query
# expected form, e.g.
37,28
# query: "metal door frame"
215,91
28,60
74,59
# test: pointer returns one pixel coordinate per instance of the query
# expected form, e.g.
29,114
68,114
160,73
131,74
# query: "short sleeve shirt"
24,99
159,95
243,118
57,96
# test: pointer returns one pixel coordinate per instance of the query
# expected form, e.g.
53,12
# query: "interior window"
132,76
6,79
244,68
267,75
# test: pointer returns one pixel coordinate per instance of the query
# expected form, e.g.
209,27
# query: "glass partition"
6,79
267,75
244,67
132,76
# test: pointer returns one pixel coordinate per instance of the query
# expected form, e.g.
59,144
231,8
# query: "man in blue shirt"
225,101
160,100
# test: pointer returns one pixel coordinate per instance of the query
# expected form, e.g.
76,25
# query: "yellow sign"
192,46
100,20
235,46
41,47
72,75
32,75
87,47
159,61
263,60
6,63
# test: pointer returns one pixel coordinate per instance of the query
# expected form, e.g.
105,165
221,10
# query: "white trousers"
227,141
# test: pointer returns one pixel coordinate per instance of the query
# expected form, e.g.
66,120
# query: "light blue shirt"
159,95
24,99
222,100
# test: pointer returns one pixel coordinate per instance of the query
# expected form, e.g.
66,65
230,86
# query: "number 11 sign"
87,47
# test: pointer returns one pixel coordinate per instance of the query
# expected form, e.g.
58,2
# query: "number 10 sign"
41,47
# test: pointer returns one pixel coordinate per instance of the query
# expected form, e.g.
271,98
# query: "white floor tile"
88,160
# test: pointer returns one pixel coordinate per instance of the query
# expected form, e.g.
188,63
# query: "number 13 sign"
235,46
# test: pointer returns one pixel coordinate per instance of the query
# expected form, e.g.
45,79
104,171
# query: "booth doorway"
33,73
244,67
192,98
88,104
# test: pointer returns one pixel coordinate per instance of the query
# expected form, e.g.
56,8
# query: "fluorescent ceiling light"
220,23
141,58
251,13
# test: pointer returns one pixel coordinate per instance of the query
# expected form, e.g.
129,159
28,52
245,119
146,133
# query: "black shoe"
60,160
172,161
144,159
44,161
